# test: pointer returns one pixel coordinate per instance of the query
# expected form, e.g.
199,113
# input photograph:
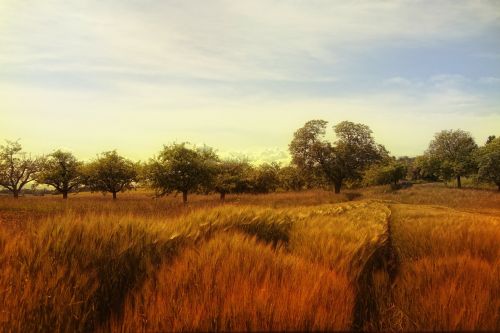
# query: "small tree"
291,179
111,172
265,178
179,168
488,161
425,168
230,176
16,167
62,171
453,151
390,172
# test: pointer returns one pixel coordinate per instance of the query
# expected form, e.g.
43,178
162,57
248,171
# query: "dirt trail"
383,260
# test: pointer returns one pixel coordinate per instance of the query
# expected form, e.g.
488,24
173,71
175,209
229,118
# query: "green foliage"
453,151
265,178
425,168
179,168
346,159
62,171
488,161
232,176
111,172
390,172
291,179
16,167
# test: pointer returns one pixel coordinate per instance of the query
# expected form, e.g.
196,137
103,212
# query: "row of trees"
354,158
177,168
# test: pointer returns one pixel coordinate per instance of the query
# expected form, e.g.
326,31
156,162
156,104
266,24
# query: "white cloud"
226,40
178,70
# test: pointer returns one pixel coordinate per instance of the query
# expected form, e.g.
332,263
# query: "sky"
242,76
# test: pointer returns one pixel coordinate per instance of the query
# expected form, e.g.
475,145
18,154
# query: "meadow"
422,258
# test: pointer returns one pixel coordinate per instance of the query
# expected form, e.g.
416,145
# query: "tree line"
353,159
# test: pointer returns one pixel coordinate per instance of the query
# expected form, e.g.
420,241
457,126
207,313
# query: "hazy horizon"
91,76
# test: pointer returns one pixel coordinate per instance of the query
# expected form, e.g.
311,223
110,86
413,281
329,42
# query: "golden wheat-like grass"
449,278
233,283
283,261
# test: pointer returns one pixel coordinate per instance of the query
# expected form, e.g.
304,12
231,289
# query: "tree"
265,178
179,168
345,159
16,167
62,171
453,151
490,138
230,177
488,161
388,172
291,179
111,172
425,168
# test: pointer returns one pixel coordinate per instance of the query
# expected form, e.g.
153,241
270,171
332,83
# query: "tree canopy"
180,168
232,176
345,159
453,152
388,172
111,172
488,162
16,167
62,171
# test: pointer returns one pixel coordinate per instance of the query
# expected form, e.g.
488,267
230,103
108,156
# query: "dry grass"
67,273
449,278
283,261
471,200
233,283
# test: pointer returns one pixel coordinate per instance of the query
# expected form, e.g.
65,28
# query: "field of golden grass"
423,258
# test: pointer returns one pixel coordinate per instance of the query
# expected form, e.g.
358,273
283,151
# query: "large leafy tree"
112,173
345,159
62,171
16,167
453,151
488,161
180,168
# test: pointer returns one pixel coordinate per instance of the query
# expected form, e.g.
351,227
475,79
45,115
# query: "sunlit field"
422,258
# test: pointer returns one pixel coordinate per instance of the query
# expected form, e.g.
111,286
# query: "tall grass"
449,278
339,237
283,261
234,283
70,272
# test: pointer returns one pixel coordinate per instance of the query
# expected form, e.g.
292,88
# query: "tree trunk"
65,195
459,183
222,196
114,195
498,187
337,187
16,194
184,197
